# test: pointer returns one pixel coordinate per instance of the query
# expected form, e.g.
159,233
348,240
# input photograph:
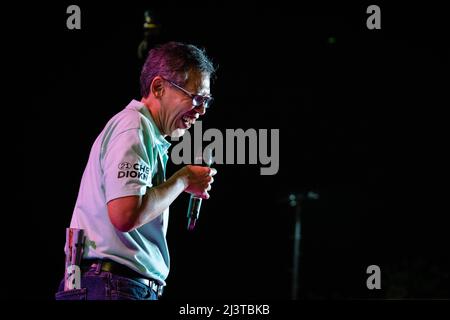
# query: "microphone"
195,203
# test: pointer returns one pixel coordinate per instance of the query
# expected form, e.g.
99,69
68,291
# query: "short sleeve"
127,168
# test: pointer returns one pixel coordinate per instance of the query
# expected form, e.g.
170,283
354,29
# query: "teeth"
187,119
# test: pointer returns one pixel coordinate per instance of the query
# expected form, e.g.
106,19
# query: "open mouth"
187,121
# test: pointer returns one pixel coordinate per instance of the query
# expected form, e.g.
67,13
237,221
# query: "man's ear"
157,87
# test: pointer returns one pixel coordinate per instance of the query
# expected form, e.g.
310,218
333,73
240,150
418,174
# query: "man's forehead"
199,82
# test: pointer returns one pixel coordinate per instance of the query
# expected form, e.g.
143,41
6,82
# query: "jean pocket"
74,294
128,289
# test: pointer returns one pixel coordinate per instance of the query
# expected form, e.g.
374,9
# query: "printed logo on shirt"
127,170
124,165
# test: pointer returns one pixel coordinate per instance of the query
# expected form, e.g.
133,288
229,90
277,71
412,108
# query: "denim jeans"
106,286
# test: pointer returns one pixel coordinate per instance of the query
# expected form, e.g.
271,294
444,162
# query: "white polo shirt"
128,156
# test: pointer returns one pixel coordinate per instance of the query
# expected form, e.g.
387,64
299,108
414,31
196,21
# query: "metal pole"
296,257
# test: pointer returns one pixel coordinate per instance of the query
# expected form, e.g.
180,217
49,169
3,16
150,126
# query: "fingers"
212,171
207,187
200,180
205,195
200,170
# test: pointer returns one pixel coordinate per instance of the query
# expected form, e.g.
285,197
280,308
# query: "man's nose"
200,109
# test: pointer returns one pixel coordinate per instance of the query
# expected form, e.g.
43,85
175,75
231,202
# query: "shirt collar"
159,138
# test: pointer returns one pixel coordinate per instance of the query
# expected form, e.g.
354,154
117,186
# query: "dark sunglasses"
197,99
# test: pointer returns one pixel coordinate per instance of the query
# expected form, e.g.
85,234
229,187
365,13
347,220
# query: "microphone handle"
195,203
193,211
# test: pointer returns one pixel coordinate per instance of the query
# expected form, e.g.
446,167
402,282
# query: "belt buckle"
153,285
156,287
159,290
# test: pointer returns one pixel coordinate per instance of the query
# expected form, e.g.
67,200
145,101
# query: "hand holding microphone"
201,179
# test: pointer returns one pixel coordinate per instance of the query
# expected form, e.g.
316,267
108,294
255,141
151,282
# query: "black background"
361,122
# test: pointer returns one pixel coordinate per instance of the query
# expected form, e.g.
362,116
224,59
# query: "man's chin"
177,133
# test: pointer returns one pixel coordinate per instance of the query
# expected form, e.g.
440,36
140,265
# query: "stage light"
151,31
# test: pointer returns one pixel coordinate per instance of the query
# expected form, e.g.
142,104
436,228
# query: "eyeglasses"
197,99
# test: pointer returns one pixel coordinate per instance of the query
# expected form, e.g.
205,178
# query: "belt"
121,270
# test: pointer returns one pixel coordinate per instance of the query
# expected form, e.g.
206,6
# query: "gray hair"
174,61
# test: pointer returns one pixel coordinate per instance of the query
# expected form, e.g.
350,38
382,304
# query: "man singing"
124,198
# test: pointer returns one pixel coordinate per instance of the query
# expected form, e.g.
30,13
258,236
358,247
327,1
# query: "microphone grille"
207,156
